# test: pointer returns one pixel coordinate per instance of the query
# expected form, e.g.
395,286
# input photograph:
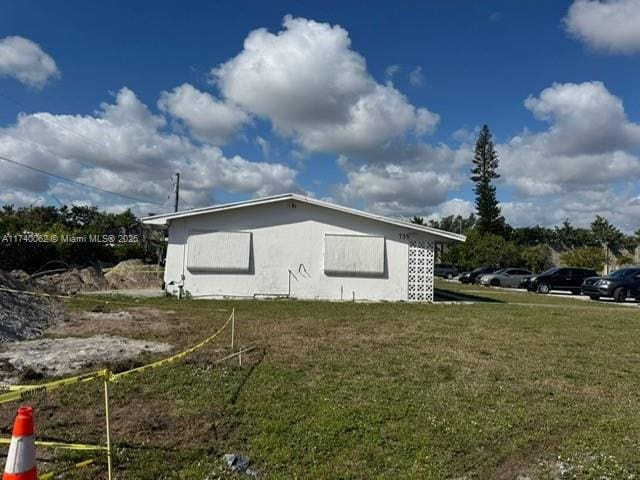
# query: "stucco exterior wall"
287,254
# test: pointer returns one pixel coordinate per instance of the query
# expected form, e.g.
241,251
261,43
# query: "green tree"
537,258
584,257
532,235
417,220
605,233
572,237
483,174
77,221
484,249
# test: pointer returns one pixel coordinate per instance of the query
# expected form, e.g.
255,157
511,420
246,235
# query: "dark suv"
560,278
472,277
445,270
618,285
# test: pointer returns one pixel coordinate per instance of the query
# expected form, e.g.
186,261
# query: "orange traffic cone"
21,461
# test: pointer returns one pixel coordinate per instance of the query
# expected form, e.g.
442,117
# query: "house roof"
164,219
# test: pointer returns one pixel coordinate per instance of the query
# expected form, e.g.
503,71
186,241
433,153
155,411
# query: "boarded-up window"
356,255
219,252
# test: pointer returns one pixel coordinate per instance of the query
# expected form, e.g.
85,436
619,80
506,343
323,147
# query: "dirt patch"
24,316
134,274
157,421
63,356
132,323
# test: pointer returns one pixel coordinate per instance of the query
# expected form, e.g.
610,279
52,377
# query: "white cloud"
264,145
20,198
124,148
208,119
391,71
606,25
453,207
238,175
464,135
24,60
414,186
456,206
584,164
416,77
585,119
580,207
314,88
589,142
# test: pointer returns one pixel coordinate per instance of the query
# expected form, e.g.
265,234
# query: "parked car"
619,285
524,282
471,277
445,270
589,282
506,277
561,278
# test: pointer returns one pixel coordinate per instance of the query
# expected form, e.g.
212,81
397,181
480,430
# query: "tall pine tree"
483,173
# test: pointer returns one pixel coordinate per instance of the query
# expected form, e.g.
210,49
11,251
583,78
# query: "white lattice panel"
421,259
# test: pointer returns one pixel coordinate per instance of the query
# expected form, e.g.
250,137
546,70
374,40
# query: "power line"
63,126
75,182
55,154
15,136
87,139
186,203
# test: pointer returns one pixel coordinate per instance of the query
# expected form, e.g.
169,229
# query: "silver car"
506,277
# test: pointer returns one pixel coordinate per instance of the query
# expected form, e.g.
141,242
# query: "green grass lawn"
527,385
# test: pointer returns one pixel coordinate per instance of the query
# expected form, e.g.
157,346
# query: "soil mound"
89,279
132,274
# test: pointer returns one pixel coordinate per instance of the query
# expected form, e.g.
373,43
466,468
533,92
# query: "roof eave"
164,219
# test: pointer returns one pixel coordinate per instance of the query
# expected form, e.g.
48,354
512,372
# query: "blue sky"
569,152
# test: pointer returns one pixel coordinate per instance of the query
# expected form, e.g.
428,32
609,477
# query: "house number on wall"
404,236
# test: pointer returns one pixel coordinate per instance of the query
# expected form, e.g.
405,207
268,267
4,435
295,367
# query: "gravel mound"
24,316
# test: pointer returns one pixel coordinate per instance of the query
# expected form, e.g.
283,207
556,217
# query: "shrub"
485,249
625,260
585,257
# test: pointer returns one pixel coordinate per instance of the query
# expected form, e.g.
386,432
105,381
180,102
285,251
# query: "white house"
299,247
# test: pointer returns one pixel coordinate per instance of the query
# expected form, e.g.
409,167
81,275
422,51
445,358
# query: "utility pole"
175,207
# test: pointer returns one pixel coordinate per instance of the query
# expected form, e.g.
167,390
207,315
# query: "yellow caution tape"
173,358
49,475
60,445
27,391
22,392
11,388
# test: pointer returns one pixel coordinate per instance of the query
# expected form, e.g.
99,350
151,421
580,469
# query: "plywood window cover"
353,255
219,252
